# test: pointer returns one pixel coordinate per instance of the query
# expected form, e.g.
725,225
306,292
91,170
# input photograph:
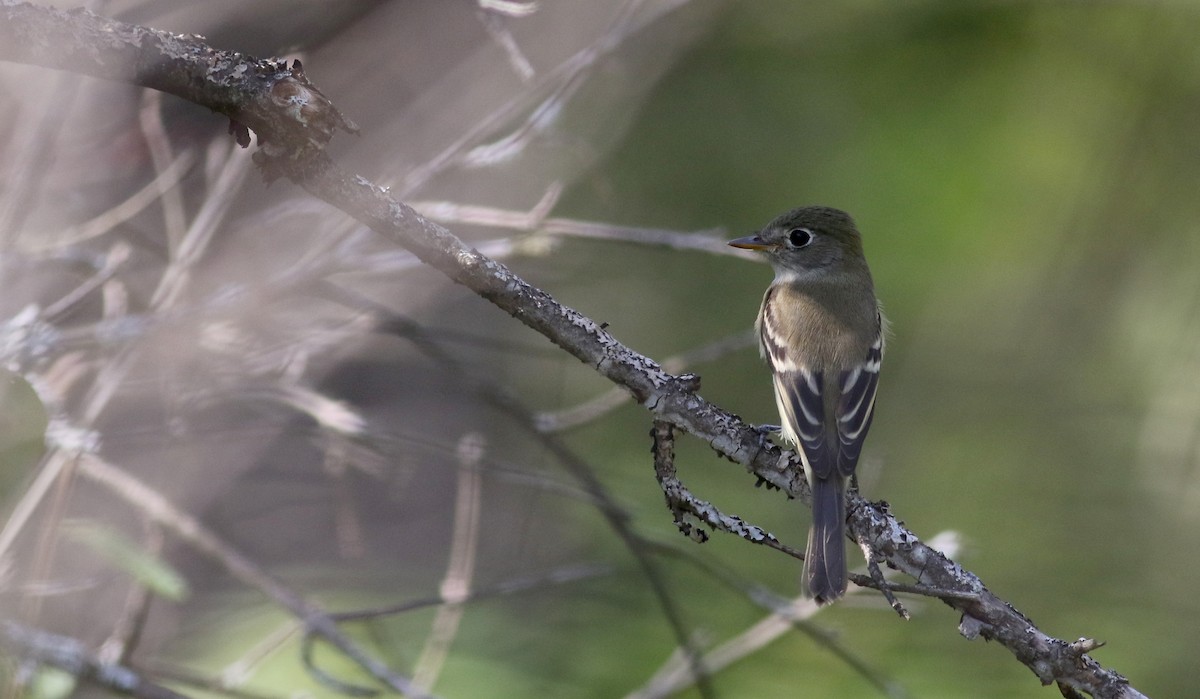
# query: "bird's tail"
825,560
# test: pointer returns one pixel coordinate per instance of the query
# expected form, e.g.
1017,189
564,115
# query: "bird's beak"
752,242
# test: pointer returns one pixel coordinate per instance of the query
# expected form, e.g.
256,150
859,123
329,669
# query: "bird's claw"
764,434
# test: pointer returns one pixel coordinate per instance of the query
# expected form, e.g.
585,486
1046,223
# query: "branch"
277,102
687,508
72,656
315,619
673,400
294,120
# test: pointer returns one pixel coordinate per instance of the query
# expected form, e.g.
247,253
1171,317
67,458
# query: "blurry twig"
511,8
108,379
494,24
785,616
34,152
159,145
117,255
165,181
672,399
36,35
614,398
582,471
536,220
560,576
464,546
127,631
236,673
557,577
72,656
178,675
557,85
199,234
47,546
190,530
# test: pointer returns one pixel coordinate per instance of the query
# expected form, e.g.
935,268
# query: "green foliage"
130,557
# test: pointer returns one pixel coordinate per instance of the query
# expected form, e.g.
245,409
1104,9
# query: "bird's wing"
856,405
800,394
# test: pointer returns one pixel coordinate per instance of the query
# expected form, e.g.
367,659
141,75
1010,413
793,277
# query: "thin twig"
672,677
460,568
673,400
31,155
713,240
203,227
560,576
164,181
616,397
179,675
494,25
509,404
683,504
127,631
183,66
557,85
190,530
72,656
159,144
118,253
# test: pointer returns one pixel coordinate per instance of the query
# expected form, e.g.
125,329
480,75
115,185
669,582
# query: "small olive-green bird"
821,330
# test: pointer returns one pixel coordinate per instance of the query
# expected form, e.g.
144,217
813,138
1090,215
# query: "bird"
822,332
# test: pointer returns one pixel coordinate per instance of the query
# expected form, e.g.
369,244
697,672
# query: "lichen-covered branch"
275,100
294,120
673,400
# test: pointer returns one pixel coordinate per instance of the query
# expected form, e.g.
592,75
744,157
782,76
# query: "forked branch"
294,120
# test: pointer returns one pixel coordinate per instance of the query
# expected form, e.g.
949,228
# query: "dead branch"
294,120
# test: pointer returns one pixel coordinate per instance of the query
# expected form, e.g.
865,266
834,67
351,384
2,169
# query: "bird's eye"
799,237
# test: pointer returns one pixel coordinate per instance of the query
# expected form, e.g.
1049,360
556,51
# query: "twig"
615,397
188,251
560,576
785,615
32,154
493,24
464,546
102,223
274,99
160,510
713,241
557,84
159,144
183,676
616,517
118,253
682,503
510,8
127,631
672,678
673,400
876,577
72,656
263,97
237,672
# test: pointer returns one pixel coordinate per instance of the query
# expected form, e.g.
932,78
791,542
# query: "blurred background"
1025,178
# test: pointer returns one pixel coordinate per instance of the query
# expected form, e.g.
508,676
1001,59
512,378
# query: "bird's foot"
764,436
